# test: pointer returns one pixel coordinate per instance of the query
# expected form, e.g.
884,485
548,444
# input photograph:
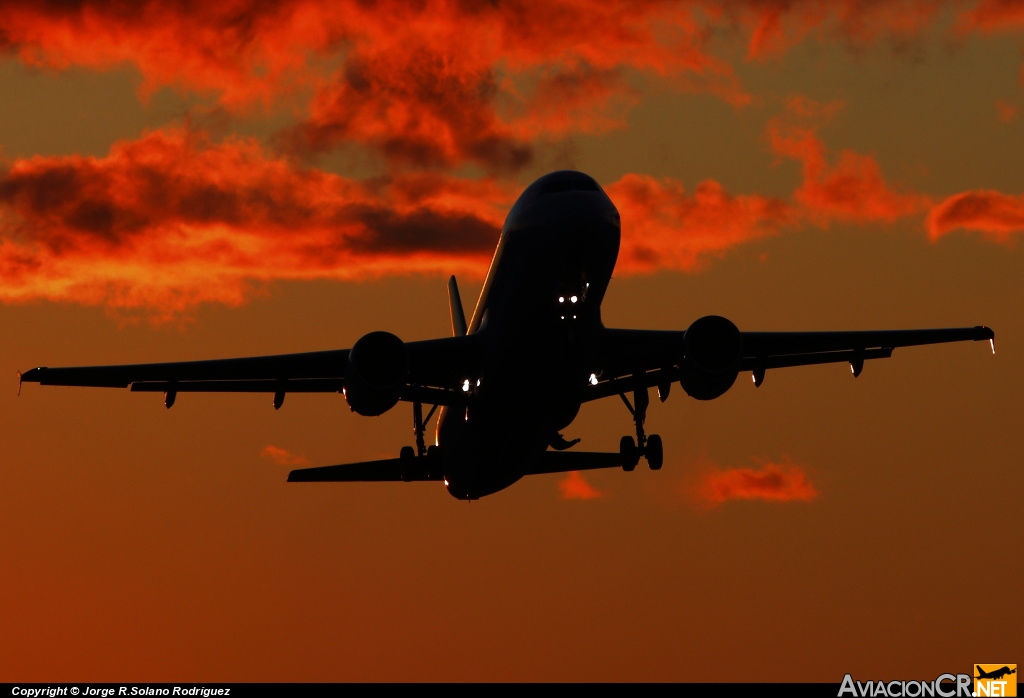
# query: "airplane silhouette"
995,674
508,382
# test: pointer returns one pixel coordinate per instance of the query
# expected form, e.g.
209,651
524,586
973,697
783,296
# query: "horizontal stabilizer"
388,470
566,461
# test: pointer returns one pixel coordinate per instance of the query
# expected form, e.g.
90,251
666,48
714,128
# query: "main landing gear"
423,457
647,446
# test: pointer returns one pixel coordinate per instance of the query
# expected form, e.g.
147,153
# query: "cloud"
173,220
430,84
574,486
444,84
990,212
1005,111
993,15
852,190
665,228
776,26
281,456
777,482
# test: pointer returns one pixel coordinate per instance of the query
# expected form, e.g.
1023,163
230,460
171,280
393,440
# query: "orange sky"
185,182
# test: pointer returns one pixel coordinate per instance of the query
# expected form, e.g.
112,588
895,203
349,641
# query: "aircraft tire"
629,453
654,452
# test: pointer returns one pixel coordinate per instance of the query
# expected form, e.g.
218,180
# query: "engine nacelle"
713,348
378,365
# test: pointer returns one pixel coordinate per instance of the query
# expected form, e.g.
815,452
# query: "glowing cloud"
664,228
853,190
574,486
281,456
993,213
173,220
776,482
433,83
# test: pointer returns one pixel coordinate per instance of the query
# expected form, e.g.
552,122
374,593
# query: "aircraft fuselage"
538,320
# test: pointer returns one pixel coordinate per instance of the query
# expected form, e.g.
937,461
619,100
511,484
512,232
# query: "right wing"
649,358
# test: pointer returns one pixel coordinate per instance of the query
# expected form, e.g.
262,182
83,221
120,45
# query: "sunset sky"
193,180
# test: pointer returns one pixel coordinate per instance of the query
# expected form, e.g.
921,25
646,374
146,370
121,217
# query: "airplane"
995,674
507,383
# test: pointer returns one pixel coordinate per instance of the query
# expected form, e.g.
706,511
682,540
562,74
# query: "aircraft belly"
490,444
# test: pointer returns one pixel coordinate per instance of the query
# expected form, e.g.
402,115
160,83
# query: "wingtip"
32,375
989,334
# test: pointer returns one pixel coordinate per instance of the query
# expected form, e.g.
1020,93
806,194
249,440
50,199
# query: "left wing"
648,358
435,368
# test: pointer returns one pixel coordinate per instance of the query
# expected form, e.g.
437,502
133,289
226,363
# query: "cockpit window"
557,186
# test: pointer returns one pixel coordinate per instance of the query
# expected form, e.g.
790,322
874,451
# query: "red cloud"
432,83
282,457
783,482
993,15
990,212
173,220
441,85
664,228
853,190
574,486
777,26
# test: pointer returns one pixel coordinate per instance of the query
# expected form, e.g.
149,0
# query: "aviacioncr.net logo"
995,680
945,686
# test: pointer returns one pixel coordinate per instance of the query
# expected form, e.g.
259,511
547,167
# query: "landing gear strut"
423,461
649,447
419,426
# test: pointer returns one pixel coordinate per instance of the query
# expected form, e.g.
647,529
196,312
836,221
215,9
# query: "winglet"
455,305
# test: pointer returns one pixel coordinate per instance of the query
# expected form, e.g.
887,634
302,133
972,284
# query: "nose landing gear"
650,447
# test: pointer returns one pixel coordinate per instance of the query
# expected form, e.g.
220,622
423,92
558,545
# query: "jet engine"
712,349
378,365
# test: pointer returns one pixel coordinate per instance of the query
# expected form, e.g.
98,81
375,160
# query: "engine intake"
712,350
378,365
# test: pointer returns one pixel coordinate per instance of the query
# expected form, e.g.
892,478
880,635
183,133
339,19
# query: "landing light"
561,299
465,386
593,379
573,299
478,382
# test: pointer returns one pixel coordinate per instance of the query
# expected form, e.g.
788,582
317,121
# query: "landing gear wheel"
629,453
653,452
407,463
